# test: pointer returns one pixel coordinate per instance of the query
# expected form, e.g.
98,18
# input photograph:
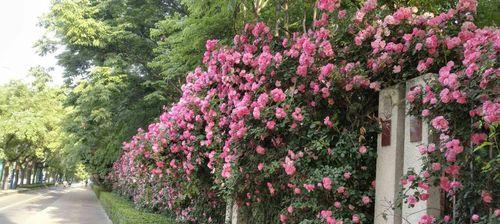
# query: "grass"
122,211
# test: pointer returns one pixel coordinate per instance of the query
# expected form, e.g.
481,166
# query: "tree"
29,124
113,91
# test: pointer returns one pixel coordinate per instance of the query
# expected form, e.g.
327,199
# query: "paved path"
75,205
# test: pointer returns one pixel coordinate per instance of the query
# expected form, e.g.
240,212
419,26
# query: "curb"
21,190
13,192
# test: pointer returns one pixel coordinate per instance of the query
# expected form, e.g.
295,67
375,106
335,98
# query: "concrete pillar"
233,215
229,211
416,134
390,155
237,218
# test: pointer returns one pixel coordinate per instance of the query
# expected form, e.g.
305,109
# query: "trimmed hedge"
32,186
97,190
122,211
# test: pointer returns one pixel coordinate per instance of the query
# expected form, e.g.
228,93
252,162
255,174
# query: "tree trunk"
38,174
23,174
5,177
16,176
28,174
1,173
35,174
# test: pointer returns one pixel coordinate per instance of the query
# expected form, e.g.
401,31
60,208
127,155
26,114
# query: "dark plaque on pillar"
386,133
415,129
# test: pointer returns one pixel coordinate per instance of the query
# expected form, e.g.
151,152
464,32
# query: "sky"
19,32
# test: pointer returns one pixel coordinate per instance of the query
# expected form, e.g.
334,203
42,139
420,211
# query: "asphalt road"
76,204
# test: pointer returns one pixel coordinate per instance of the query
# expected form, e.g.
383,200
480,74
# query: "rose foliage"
287,127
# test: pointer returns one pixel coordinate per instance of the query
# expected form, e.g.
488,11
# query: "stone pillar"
416,134
237,218
229,211
390,155
233,213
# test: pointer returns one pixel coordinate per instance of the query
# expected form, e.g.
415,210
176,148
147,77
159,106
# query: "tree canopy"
31,117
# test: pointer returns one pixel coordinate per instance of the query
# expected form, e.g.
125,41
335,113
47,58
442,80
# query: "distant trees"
30,120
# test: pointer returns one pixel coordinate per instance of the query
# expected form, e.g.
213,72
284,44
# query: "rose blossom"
440,123
475,218
363,149
260,166
327,183
260,150
278,95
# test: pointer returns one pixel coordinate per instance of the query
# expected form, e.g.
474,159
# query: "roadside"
23,189
76,204
122,211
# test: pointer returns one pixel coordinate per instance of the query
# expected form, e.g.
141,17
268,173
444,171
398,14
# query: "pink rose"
440,123
309,187
328,5
297,114
396,69
327,183
366,200
328,122
486,196
347,175
210,45
355,219
278,95
270,125
436,166
412,200
256,113
426,219
260,150
447,218
341,190
342,14
425,112
260,166
337,204
283,218
363,149
280,113
475,218
478,138
263,99
289,167
297,191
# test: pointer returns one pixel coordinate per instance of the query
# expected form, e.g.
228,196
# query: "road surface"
77,205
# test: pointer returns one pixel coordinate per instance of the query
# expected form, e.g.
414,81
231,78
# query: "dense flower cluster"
461,102
287,127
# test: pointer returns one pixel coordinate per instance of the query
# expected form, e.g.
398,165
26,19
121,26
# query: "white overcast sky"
18,33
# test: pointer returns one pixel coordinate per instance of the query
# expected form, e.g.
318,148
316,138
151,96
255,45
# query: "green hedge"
32,186
97,189
122,211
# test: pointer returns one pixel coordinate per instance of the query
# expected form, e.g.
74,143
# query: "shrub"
287,127
122,211
32,186
97,190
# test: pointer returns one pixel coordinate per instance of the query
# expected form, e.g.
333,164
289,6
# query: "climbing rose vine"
286,127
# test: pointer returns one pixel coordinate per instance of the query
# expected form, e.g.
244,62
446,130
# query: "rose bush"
461,104
287,127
